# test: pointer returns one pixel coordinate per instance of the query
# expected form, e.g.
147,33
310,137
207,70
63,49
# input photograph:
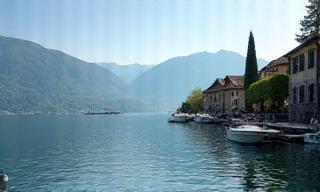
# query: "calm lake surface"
142,152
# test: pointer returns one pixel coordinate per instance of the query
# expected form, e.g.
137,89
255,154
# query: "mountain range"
167,84
36,79
126,73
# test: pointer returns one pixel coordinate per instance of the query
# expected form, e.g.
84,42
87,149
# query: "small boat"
249,134
190,117
312,138
106,112
204,118
235,122
3,181
178,118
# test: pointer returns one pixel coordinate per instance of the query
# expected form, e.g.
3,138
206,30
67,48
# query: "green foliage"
271,92
311,22
194,102
36,79
251,71
267,104
185,108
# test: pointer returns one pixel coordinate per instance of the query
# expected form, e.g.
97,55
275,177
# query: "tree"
270,92
311,22
185,108
196,100
251,72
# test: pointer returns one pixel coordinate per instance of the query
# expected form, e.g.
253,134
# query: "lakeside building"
304,73
278,66
225,95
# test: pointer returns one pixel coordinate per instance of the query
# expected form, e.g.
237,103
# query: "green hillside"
36,79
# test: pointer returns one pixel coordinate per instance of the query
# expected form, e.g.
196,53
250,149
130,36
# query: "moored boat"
234,122
204,118
249,134
178,118
106,112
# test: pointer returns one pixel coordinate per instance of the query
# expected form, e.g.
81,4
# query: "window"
232,93
311,93
301,62
311,59
301,94
236,102
236,93
294,65
294,94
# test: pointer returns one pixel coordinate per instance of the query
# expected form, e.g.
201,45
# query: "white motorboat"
178,117
190,117
204,118
235,121
312,138
249,134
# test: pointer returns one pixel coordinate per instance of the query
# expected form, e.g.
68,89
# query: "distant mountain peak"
202,53
169,83
224,51
127,73
219,52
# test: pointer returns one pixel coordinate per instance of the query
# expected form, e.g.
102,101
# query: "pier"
293,128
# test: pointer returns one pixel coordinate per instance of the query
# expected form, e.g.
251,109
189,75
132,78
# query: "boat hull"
245,137
102,113
177,119
204,120
249,134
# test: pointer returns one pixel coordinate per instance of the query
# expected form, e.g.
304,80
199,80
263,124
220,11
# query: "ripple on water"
138,152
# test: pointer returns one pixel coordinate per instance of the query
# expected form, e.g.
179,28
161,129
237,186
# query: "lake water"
142,152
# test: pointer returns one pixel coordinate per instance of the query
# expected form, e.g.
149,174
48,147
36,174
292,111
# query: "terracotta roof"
310,39
219,82
228,82
280,61
236,80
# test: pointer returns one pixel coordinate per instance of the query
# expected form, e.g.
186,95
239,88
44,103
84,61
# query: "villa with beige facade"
278,66
304,68
225,95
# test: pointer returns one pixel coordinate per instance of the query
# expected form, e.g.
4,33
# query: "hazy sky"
151,31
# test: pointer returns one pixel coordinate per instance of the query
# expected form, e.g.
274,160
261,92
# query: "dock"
295,138
293,128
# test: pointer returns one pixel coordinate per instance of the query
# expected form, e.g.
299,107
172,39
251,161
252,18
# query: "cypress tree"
311,22
251,73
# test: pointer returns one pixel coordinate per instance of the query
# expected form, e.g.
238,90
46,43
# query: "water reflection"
270,166
142,152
